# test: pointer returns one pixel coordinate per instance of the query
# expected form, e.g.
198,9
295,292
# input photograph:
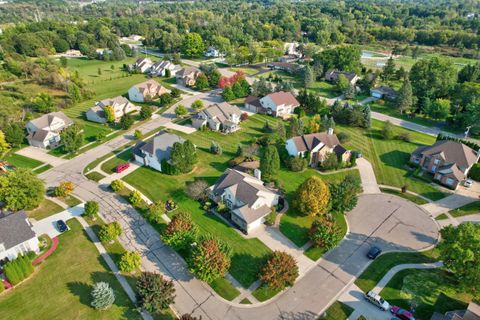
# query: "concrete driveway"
48,225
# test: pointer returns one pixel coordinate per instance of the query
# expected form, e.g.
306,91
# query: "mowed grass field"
390,157
60,287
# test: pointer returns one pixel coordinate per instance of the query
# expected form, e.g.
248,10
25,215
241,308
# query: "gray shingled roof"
186,71
111,101
47,119
221,111
161,145
15,229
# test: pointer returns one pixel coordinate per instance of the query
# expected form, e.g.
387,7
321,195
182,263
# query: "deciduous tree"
324,234
270,162
21,189
279,271
210,259
72,138
155,292
130,261
312,197
180,232
110,232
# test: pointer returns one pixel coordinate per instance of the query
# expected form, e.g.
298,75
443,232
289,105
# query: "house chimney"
330,131
257,174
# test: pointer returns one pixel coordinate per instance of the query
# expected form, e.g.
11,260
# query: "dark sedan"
374,252
62,226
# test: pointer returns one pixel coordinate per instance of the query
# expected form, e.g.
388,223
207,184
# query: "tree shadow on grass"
395,158
82,290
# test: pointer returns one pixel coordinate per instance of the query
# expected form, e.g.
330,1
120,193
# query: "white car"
468,183
375,299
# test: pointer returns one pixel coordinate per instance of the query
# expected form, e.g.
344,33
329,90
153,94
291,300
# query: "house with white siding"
16,236
44,132
146,91
158,149
120,105
277,104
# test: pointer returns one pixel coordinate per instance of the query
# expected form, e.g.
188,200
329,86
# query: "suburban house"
44,132
285,66
159,68
16,236
219,117
318,146
277,104
333,74
212,53
142,64
471,313
146,91
249,200
187,76
120,107
155,151
290,57
448,161
384,92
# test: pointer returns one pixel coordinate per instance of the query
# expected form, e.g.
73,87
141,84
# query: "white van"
375,299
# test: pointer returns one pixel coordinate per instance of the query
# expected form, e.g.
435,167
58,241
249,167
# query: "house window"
449,181
229,204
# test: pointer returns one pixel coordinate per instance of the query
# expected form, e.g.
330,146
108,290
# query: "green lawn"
225,289
380,266
405,195
264,292
71,201
294,226
61,286
337,311
22,161
42,169
442,216
245,70
389,157
429,290
45,209
110,165
467,209
95,176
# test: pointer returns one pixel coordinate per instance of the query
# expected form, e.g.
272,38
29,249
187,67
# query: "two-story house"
317,146
16,236
448,161
44,132
188,76
119,104
219,117
142,64
249,200
159,68
158,149
277,104
146,91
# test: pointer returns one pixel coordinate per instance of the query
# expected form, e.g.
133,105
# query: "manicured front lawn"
295,226
389,157
337,311
22,161
110,165
245,70
45,209
428,290
71,201
405,195
95,176
61,285
264,292
42,169
467,209
380,266
225,289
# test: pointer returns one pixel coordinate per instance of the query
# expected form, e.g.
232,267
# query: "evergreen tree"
155,292
308,77
405,97
388,72
228,94
270,162
102,296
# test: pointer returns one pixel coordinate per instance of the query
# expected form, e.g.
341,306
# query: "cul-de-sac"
240,159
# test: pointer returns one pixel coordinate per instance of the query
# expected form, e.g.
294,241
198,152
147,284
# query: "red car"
401,313
122,167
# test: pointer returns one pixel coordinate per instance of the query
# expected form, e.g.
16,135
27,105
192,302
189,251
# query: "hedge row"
18,269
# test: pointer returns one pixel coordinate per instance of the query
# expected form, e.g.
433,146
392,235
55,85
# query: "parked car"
468,183
122,167
375,299
374,252
401,313
62,226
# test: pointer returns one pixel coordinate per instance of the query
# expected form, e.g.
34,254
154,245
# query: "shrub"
110,232
18,269
102,296
330,162
312,197
175,93
117,185
135,198
324,234
180,231
126,121
474,172
210,259
155,292
180,110
129,261
244,116
387,131
64,189
344,195
270,219
404,136
197,104
297,164
156,210
215,148
343,137
197,190
138,134
279,271
91,208
146,112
